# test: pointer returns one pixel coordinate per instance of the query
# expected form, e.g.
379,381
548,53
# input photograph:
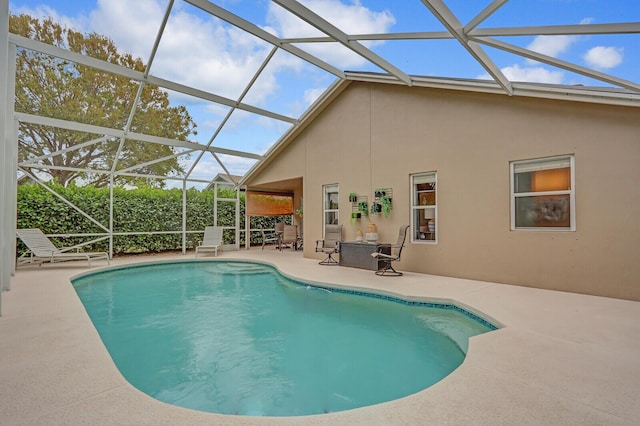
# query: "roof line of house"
575,93
332,92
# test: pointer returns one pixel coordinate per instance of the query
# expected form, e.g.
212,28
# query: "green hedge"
136,210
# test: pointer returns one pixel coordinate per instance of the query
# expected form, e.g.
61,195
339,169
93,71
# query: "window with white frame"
331,212
424,208
543,194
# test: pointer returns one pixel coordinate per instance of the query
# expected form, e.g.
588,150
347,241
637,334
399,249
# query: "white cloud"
602,57
77,23
552,46
556,45
131,25
201,51
530,74
351,18
310,95
208,167
195,51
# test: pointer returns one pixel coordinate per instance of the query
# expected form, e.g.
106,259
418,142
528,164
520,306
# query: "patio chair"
212,240
289,236
331,243
41,249
387,259
269,236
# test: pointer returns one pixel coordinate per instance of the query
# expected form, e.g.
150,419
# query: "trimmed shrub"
135,210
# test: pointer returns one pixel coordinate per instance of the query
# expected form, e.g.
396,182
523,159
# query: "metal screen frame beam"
558,63
453,25
108,172
7,165
338,35
483,15
139,76
35,160
429,35
256,31
100,130
224,121
64,200
550,30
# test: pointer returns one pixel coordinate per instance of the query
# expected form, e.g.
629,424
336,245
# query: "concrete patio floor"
560,358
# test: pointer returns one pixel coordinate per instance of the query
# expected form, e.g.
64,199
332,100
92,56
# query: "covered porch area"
277,198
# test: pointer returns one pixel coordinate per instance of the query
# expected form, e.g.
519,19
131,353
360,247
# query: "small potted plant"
363,207
353,197
355,216
385,202
376,208
379,193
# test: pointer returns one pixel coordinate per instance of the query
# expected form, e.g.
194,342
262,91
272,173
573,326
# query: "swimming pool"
237,337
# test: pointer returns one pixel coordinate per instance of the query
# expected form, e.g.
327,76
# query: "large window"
331,213
543,194
424,209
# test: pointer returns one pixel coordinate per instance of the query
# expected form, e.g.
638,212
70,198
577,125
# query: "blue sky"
205,53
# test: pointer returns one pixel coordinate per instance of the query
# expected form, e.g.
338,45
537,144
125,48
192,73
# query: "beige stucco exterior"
376,135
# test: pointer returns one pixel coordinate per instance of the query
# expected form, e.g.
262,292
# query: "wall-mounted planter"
382,201
363,207
385,201
355,217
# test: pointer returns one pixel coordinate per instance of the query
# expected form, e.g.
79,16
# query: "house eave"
577,93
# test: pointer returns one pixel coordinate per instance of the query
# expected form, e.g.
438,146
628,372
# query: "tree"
52,87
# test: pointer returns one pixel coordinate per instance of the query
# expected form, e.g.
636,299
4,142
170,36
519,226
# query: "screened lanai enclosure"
199,89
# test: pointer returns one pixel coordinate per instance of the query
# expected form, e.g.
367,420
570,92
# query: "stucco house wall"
376,135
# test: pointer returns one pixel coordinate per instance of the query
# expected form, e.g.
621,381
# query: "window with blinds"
424,207
331,198
542,194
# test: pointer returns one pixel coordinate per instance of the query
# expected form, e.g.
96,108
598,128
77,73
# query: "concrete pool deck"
560,358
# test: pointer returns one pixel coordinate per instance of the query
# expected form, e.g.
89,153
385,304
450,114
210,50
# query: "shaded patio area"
560,358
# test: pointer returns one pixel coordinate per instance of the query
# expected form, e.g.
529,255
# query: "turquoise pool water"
239,338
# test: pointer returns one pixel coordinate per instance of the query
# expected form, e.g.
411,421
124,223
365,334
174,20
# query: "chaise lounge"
212,240
41,249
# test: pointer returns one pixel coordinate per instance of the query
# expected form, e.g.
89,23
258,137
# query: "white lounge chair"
41,249
212,240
